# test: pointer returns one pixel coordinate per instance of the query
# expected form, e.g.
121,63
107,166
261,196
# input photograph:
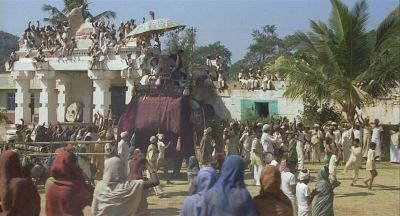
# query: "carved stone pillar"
22,96
129,77
101,92
63,98
48,96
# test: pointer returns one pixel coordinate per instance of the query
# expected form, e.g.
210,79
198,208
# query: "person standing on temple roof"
123,148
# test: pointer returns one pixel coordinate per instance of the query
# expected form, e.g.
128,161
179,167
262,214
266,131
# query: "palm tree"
57,16
344,63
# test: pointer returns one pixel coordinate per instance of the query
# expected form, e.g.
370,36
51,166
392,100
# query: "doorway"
262,109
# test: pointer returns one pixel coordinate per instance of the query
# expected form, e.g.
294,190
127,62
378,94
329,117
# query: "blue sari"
206,178
229,195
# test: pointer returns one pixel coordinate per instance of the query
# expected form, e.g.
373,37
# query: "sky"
228,21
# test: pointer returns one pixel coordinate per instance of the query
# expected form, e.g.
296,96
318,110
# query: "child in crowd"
333,163
277,158
354,161
370,166
303,194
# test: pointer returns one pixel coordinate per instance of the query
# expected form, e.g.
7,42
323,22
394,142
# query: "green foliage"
341,61
58,16
265,48
193,54
214,49
185,41
8,43
319,114
251,116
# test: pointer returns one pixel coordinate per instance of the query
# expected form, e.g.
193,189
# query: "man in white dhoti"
377,138
354,161
268,141
394,145
316,138
123,149
301,140
346,142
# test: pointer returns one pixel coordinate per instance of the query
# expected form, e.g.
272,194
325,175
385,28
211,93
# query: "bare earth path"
383,200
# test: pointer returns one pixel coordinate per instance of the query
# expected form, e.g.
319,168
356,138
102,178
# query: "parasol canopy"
156,26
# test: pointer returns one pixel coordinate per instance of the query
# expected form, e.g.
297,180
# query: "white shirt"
333,164
357,134
376,134
267,142
288,180
161,149
123,151
338,136
302,192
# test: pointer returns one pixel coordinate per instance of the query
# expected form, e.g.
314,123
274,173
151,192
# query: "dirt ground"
383,200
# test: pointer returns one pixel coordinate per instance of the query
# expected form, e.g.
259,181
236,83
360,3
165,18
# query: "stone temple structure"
65,80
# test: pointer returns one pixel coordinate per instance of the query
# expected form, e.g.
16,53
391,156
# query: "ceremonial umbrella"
156,26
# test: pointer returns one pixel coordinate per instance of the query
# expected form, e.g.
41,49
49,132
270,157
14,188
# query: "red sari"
68,194
18,195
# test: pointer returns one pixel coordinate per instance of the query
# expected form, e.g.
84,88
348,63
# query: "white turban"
266,127
316,125
153,139
304,175
124,134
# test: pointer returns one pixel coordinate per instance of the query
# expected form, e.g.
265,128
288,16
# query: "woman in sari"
115,195
229,195
205,180
272,201
323,203
67,184
192,170
18,195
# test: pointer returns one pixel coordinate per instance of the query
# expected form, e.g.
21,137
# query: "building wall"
233,105
385,111
82,91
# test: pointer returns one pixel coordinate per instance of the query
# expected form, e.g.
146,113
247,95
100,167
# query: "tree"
214,49
58,16
342,65
185,41
264,49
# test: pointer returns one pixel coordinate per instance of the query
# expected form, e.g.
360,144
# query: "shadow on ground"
165,212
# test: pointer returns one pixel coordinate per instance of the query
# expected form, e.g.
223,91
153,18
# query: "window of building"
262,109
11,101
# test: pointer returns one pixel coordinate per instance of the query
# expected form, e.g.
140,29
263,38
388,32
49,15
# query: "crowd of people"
274,152
257,80
59,40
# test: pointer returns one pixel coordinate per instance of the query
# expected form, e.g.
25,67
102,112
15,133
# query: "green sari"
323,203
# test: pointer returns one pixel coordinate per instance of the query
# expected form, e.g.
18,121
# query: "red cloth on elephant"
18,195
159,113
68,193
